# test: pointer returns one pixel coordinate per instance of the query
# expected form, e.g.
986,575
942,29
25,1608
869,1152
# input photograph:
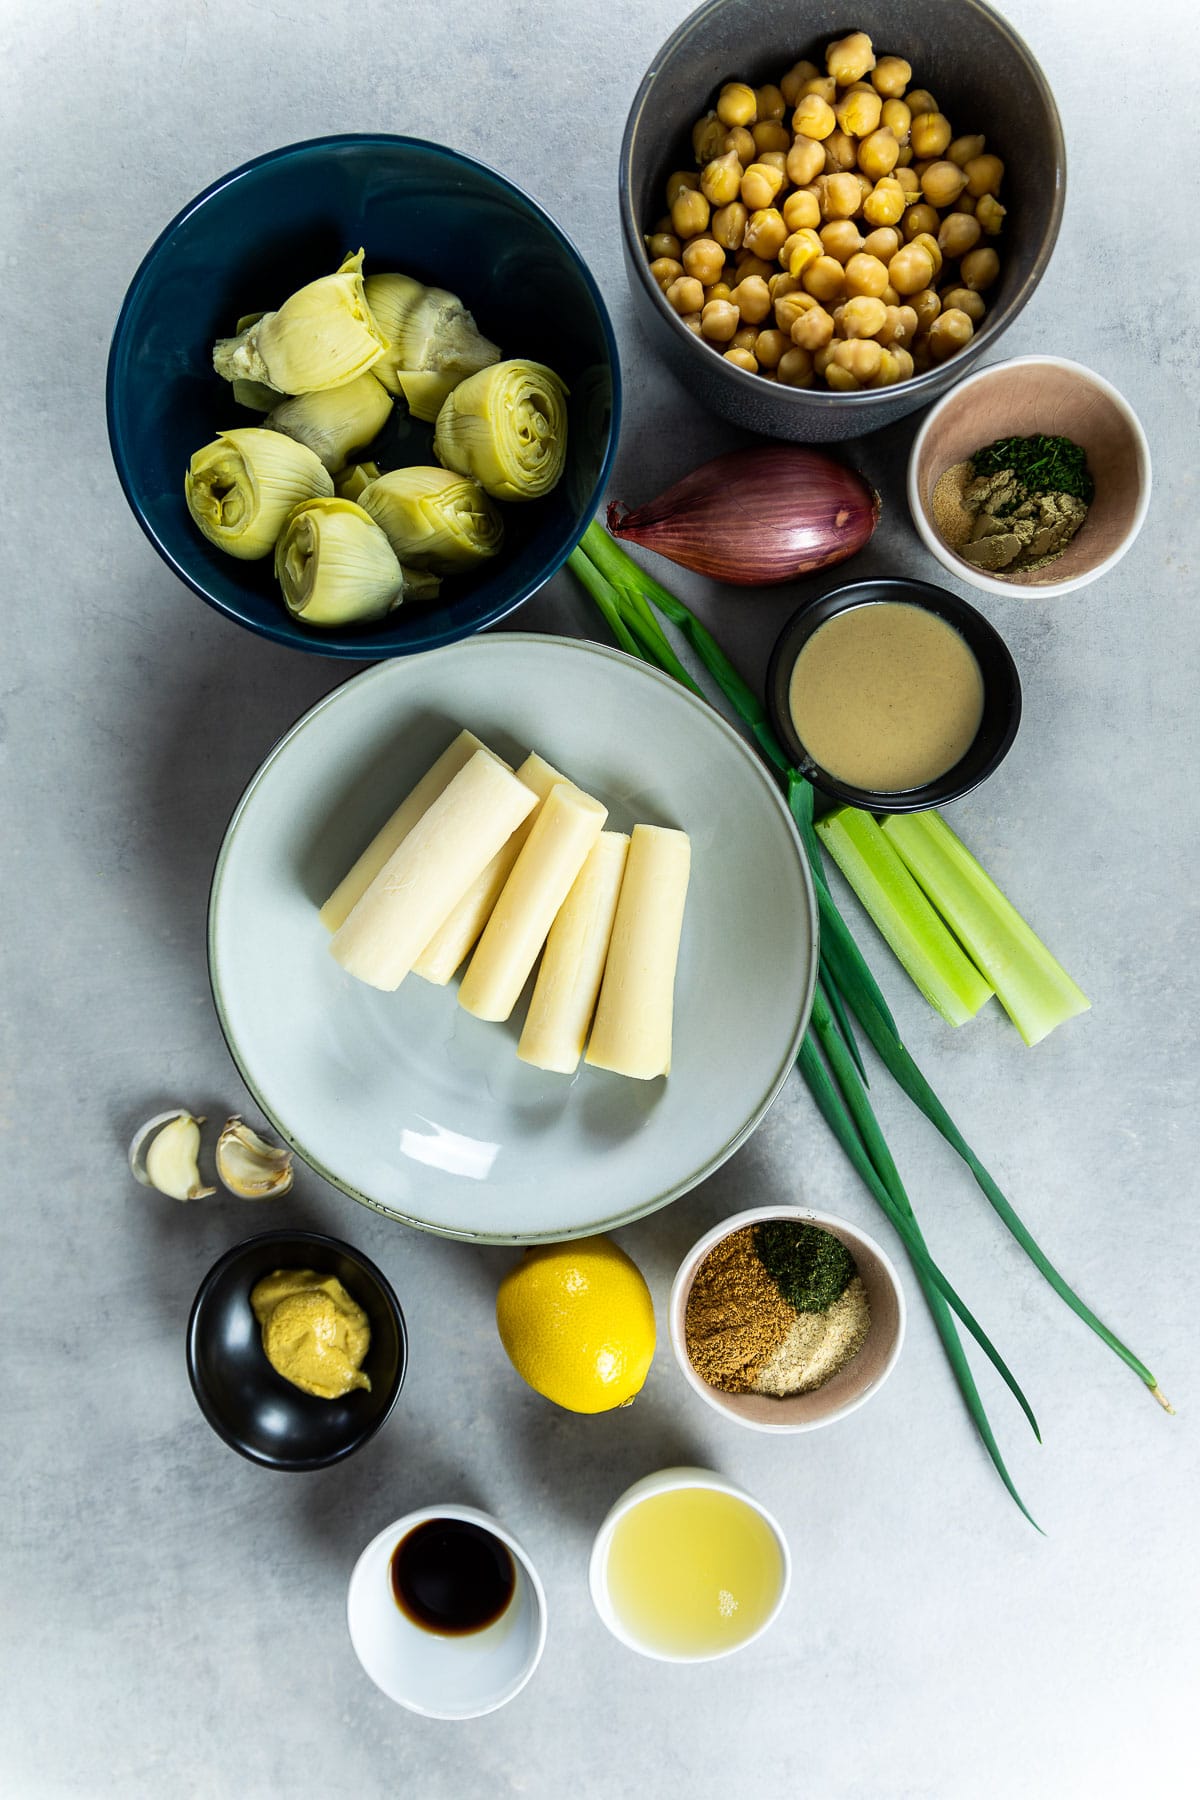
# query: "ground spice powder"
736,1318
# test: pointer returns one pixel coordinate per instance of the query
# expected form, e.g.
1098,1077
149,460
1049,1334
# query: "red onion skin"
753,518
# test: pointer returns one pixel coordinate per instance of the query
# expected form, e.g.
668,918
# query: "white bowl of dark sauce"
893,695
446,1613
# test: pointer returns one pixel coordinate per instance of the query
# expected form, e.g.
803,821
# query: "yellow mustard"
313,1333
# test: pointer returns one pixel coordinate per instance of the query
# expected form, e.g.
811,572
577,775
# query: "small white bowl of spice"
784,1319
1030,478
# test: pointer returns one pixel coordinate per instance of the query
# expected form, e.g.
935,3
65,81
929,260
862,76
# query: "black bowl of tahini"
893,696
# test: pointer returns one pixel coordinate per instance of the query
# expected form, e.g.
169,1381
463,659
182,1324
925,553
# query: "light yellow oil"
693,1572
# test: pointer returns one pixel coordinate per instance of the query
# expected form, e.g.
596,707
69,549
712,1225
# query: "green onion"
843,967
949,980
1035,991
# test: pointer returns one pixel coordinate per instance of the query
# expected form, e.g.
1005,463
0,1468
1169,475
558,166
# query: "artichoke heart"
354,478
336,421
434,519
336,567
241,488
321,337
433,342
506,427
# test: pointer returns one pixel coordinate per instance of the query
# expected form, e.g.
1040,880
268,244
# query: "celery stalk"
1035,991
948,979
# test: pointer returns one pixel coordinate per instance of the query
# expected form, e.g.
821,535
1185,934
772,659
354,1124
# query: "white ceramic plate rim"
669,1481
380,672
754,1216
1023,590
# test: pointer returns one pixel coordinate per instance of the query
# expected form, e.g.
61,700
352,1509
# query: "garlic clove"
249,1166
165,1155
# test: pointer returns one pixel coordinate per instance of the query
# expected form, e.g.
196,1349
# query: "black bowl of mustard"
961,696
253,1408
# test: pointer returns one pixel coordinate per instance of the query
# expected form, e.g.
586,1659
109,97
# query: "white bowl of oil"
687,1567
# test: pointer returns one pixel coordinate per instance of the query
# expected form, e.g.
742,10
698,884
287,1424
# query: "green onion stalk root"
830,1061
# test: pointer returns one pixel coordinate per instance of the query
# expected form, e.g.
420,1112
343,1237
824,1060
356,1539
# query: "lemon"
578,1324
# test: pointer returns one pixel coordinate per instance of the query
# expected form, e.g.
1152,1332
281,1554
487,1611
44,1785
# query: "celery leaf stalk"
907,922
1034,989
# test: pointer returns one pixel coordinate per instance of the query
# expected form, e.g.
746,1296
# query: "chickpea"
866,186
979,269
801,249
897,119
663,243
782,283
889,370
883,242
927,306
920,100
957,234
741,143
858,111
911,269
741,359
770,102
746,338
770,347
928,242
794,80
961,299
721,179
963,149
843,196
800,210
990,213
692,321
813,329
865,275
931,133
690,213
683,180
748,264
910,182
948,333
890,76
841,152
942,183
889,295
719,320
685,294
824,279
729,225
790,308
760,184
737,104
850,58
823,86
885,203
814,117
860,356
719,290
822,359
665,270
795,368
708,135
775,159
752,299
769,134
805,161
902,324
841,239
904,360
878,154
984,175
863,317
922,360
840,380
917,219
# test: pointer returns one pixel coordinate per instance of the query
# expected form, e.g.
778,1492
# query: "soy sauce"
452,1577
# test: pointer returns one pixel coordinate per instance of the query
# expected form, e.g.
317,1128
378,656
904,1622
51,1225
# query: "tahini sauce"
886,696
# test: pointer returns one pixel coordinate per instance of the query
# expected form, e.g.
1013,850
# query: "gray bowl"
981,74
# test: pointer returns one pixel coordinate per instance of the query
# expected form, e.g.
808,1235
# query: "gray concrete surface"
172,1617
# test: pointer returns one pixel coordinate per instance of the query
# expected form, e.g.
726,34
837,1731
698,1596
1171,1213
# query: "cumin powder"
736,1318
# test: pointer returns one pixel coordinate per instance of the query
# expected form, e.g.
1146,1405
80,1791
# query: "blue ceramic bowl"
259,233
